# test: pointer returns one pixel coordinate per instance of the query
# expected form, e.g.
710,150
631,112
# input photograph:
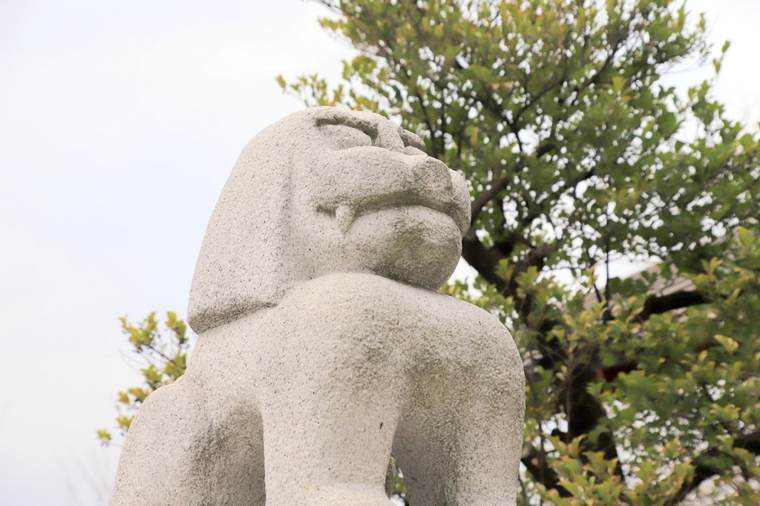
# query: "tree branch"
703,469
479,202
482,259
540,472
656,304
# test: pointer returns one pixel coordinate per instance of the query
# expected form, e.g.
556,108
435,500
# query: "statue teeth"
344,216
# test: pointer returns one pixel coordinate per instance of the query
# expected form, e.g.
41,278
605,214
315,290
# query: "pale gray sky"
119,123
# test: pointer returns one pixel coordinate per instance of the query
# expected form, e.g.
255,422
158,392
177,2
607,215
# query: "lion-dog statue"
323,344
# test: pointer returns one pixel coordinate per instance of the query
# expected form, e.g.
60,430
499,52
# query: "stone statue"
323,345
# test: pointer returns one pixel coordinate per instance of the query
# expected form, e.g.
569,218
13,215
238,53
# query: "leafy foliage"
164,355
641,390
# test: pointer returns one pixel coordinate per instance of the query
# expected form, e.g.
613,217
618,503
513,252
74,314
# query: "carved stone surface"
323,345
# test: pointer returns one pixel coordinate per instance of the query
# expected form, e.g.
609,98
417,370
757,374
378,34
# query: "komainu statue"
323,344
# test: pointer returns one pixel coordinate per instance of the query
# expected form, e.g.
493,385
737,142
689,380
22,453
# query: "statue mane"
244,264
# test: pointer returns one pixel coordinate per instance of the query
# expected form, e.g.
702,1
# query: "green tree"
639,389
163,355
576,154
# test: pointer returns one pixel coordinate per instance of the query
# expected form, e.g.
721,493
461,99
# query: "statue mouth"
347,213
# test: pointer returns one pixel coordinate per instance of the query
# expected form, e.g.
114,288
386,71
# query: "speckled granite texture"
323,344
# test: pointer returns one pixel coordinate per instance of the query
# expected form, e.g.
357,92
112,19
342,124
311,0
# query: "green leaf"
729,344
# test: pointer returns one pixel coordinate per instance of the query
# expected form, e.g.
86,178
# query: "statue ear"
244,262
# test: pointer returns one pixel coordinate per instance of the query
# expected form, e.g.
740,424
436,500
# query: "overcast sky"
119,124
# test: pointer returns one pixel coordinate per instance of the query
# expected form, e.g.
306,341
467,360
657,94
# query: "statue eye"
413,145
413,150
345,136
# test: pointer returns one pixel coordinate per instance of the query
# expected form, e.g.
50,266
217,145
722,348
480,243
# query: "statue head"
327,190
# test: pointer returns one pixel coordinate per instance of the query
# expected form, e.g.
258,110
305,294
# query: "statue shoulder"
358,293
368,297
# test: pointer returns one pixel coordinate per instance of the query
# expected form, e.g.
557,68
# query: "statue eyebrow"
348,120
368,127
411,139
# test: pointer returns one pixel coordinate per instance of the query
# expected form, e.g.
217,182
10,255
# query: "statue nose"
432,172
388,138
429,171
